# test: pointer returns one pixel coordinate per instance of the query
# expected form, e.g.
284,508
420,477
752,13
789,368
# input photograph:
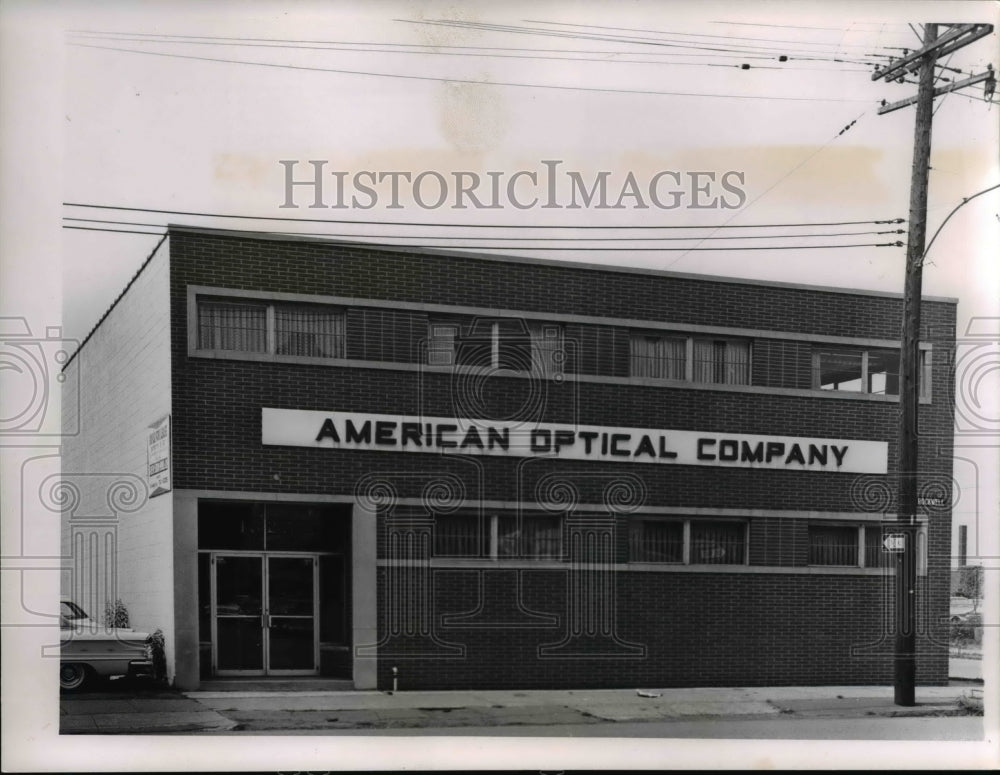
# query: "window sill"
557,378
445,563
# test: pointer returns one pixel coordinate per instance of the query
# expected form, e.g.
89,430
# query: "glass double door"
265,614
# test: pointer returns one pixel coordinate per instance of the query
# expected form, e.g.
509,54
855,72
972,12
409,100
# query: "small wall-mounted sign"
158,458
894,542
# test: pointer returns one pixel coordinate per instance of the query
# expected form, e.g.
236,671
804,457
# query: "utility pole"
909,390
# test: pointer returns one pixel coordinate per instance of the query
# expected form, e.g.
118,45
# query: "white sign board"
440,435
158,458
894,542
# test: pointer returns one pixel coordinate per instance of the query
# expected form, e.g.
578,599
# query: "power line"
436,47
577,248
466,80
542,57
472,225
964,202
616,39
114,231
549,239
798,26
780,180
380,47
700,35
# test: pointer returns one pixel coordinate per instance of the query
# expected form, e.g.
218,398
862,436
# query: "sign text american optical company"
397,433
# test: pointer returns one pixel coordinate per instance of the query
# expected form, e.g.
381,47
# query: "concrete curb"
289,712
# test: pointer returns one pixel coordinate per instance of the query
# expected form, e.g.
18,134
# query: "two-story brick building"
460,470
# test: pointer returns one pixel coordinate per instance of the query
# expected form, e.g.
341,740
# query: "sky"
153,124
192,106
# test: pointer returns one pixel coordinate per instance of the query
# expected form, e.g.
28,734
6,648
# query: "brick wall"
217,404
668,630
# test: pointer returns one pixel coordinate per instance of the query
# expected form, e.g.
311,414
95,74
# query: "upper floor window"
659,357
860,370
313,331
716,361
236,326
309,331
512,344
722,361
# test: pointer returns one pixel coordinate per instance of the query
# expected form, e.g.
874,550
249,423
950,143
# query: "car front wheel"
72,676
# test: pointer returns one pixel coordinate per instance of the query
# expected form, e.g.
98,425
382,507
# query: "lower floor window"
720,543
875,554
656,541
498,536
687,541
833,545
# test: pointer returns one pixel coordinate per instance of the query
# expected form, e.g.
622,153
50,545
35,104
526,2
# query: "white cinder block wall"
120,539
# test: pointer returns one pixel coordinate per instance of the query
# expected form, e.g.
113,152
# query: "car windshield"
71,611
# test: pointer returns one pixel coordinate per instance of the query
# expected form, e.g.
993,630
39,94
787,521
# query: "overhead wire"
548,239
114,231
541,54
412,77
374,241
286,219
700,34
614,39
780,180
155,36
618,58
797,26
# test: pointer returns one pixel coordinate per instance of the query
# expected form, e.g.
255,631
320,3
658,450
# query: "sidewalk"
163,711
219,712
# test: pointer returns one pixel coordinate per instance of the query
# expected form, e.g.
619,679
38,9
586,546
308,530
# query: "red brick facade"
772,621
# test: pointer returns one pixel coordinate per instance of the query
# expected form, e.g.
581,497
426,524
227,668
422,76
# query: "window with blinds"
315,332
232,326
715,361
833,545
717,543
307,331
721,361
658,357
656,541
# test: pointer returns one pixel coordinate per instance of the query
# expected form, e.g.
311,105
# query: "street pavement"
130,708
167,711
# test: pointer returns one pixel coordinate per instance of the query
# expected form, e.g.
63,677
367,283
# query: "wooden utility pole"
909,396
909,389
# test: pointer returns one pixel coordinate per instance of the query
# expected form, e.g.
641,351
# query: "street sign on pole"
894,542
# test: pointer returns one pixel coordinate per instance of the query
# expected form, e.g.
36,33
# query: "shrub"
115,616
159,644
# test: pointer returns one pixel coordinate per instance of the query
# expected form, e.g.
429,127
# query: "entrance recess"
265,611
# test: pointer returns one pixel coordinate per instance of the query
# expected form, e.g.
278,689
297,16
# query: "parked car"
90,651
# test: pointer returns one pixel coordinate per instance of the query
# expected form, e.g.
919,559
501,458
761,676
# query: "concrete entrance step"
277,685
